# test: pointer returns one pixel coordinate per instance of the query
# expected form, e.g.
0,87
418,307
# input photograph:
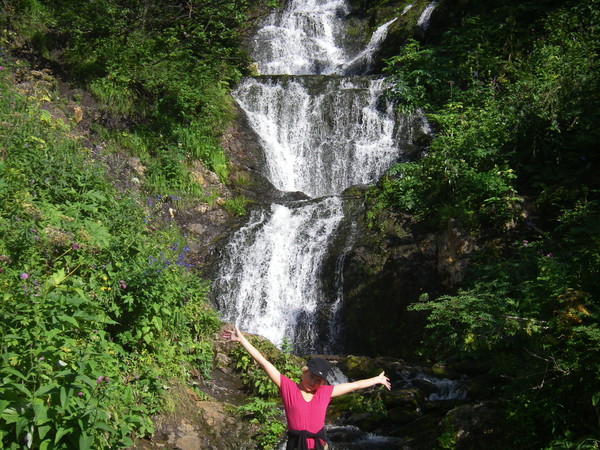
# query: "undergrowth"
99,308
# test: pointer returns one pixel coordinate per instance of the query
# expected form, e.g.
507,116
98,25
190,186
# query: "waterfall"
304,38
423,21
321,132
276,260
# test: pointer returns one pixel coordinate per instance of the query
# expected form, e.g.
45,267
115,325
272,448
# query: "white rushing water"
320,134
425,16
303,38
276,260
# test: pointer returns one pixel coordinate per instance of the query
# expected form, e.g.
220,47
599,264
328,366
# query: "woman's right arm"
237,336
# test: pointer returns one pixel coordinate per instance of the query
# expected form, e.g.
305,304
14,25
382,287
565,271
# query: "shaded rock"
358,367
425,386
412,398
402,416
441,370
442,406
475,425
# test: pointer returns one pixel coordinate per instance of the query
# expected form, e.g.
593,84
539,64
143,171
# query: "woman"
305,403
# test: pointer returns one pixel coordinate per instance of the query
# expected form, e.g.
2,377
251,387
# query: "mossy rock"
359,367
353,403
369,421
441,370
412,398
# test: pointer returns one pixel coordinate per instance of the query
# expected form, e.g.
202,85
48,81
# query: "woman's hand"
344,388
382,379
234,335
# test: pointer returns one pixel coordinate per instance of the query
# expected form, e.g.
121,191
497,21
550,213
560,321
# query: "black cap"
318,367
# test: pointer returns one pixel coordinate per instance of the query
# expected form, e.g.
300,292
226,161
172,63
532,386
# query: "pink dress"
303,415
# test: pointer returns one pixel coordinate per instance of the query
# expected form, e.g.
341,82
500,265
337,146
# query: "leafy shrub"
254,377
267,415
97,306
510,89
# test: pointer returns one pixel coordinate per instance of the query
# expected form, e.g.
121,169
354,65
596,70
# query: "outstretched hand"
382,379
234,335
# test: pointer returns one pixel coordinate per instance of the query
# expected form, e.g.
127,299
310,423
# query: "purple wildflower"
122,283
75,246
24,276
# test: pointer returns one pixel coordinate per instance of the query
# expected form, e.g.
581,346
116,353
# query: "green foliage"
159,71
413,75
511,91
97,307
264,393
533,313
254,377
514,110
268,416
236,206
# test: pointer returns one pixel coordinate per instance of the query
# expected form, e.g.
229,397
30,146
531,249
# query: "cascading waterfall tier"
276,278
310,38
306,37
321,132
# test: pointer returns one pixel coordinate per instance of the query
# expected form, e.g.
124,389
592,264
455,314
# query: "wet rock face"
384,272
389,267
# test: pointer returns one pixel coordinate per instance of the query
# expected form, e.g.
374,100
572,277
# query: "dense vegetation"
511,88
97,302
99,305
100,309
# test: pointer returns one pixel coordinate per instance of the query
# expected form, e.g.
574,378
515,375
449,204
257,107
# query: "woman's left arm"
345,388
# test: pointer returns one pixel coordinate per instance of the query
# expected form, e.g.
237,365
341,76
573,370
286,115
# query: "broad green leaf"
127,442
14,372
60,432
157,321
21,423
45,388
43,431
99,233
85,441
63,398
63,373
41,414
52,333
10,415
104,426
69,319
22,388
56,278
87,380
